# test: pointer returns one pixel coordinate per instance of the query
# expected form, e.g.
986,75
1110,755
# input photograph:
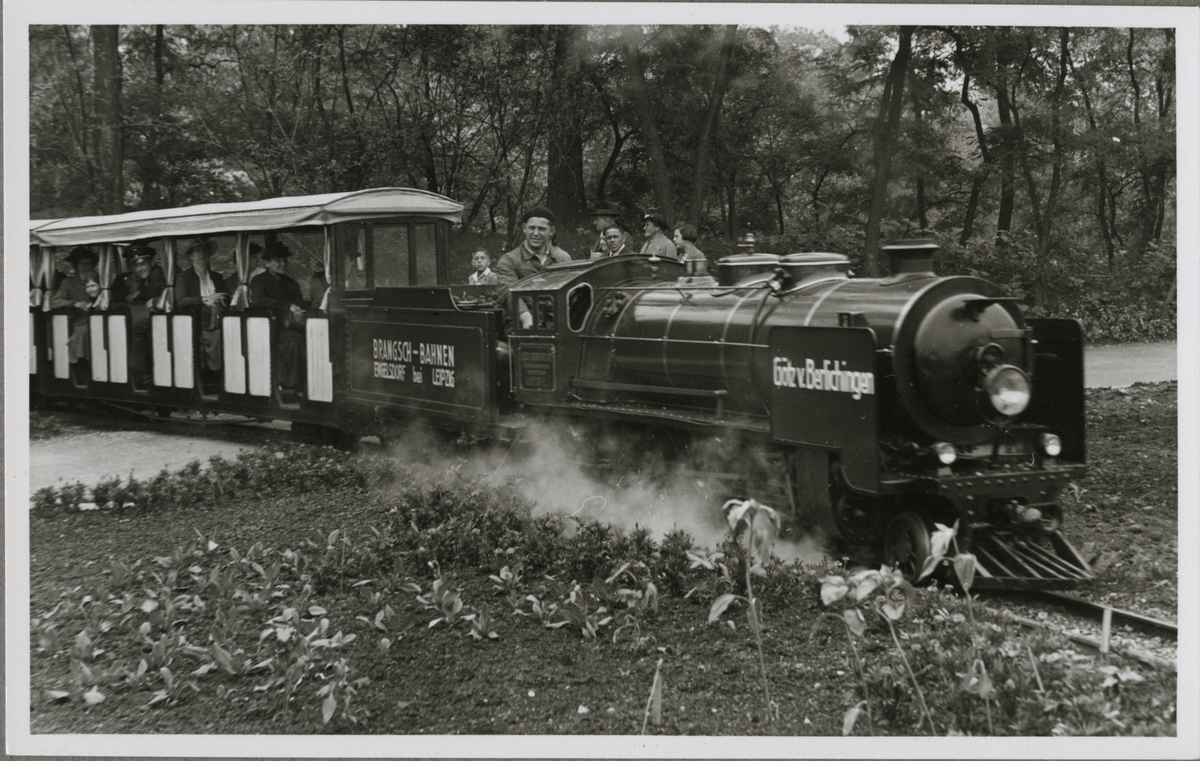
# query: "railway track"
1108,621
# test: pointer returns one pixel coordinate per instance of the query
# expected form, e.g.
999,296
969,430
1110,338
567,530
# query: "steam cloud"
557,467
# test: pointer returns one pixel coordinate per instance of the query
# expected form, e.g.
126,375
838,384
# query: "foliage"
1044,156
283,470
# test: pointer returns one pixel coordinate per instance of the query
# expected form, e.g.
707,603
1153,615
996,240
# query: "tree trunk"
649,125
565,194
972,210
977,183
884,131
106,107
709,128
1101,174
1007,161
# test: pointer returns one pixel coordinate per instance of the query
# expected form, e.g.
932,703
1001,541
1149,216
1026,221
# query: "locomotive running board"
1008,561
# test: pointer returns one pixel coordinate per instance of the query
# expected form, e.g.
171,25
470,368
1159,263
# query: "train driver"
276,291
536,252
78,291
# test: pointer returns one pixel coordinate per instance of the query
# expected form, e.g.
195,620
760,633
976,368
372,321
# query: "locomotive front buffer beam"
1014,521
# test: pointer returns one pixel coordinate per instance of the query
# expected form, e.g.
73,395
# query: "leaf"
93,697
58,695
316,610
735,510
986,689
939,542
328,707
752,616
850,717
719,605
833,588
964,569
1129,675
854,619
656,691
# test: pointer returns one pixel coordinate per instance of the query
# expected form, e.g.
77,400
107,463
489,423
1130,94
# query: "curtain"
47,275
167,299
328,266
241,256
106,272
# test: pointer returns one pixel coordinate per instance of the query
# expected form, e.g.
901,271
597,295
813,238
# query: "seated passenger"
276,291
481,260
204,291
140,288
317,286
613,239
78,291
685,243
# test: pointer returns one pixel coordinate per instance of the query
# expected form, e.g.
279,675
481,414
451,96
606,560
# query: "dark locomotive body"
886,405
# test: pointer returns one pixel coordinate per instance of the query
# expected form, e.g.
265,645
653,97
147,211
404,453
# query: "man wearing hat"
657,244
78,291
138,288
275,290
604,216
535,253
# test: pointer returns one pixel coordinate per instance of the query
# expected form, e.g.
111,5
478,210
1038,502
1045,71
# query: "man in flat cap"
535,253
657,243
605,214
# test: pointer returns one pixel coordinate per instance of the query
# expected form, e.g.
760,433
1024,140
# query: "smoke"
616,474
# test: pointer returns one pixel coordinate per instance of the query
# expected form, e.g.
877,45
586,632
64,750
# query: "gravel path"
1126,364
95,456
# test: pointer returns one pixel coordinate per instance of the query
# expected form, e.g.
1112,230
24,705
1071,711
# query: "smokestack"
911,257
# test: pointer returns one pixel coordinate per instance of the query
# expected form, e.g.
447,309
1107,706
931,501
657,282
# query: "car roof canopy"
269,214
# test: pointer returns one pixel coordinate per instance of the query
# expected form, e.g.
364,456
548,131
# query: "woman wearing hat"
275,290
78,291
657,243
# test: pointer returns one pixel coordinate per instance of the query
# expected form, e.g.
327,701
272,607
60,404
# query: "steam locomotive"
886,405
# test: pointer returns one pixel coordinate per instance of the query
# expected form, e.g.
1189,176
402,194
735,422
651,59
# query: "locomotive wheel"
906,544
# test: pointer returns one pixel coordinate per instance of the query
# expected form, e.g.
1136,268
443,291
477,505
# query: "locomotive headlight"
1051,444
946,453
1008,389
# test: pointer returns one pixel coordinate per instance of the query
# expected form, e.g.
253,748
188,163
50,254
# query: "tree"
883,141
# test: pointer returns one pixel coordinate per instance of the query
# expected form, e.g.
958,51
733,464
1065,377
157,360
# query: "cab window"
545,312
391,256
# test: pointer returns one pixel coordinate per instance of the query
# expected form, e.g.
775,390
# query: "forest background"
1041,158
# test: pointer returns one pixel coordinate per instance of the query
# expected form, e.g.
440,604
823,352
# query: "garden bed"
308,591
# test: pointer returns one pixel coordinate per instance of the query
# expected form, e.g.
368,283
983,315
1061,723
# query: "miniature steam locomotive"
886,405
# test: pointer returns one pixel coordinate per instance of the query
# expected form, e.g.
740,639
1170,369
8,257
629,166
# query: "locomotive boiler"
895,403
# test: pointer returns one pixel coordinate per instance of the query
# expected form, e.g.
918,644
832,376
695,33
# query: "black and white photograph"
656,380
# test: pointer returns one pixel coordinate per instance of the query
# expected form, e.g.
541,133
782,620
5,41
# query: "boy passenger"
481,260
